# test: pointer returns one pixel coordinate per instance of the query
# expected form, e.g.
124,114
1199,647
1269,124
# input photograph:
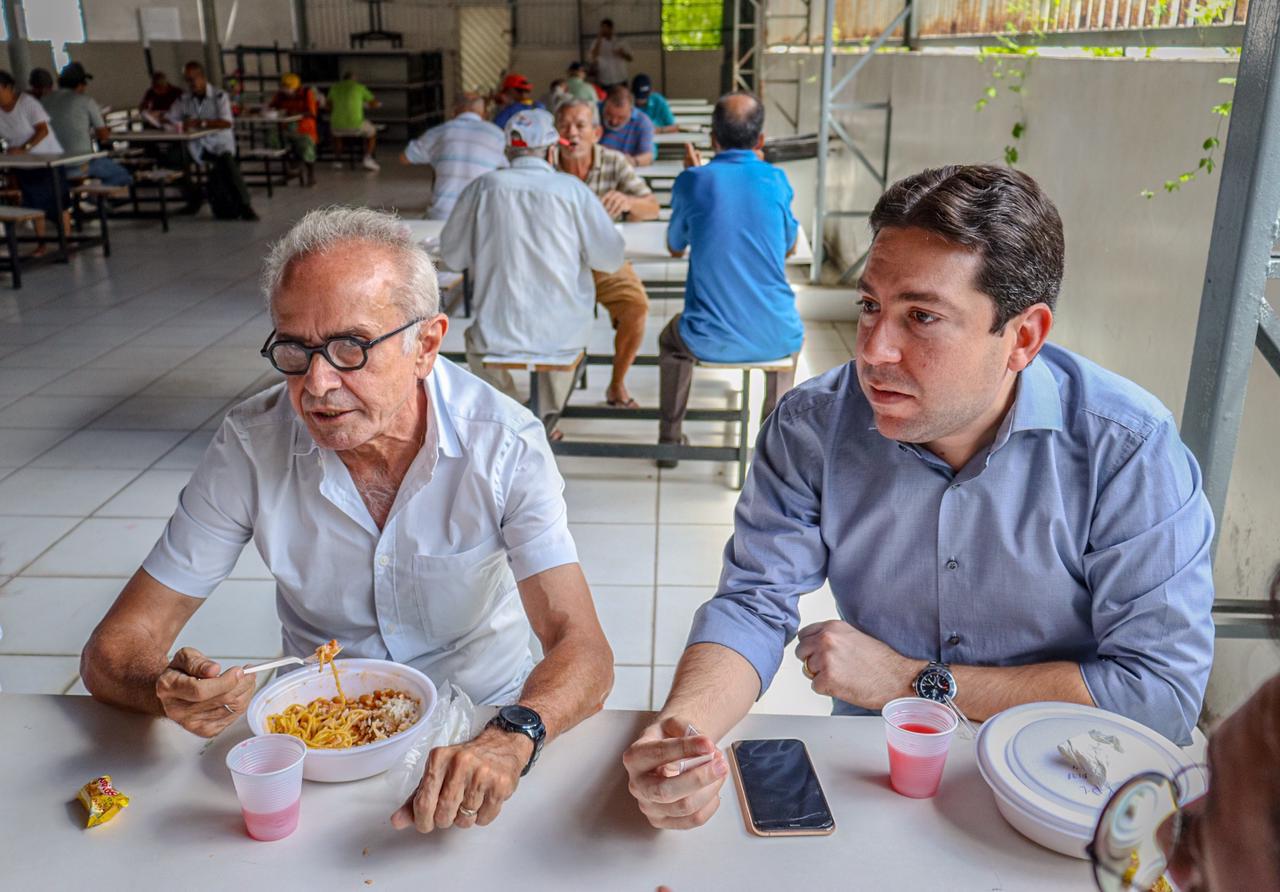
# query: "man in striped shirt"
626,128
458,151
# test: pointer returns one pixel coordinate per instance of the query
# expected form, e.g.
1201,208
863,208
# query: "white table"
52,162
646,248
699,140
570,825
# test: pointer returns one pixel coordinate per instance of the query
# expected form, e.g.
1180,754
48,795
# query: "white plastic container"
359,676
1037,792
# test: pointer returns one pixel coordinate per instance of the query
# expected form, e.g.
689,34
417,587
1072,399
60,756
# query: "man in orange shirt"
295,99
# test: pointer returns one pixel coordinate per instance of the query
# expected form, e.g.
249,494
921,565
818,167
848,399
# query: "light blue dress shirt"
1081,534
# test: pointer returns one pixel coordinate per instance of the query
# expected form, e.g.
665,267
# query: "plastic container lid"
1018,757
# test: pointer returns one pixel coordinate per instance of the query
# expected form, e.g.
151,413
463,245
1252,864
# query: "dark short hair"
193,65
618,94
6,79
734,130
608,22
39,77
156,75
997,211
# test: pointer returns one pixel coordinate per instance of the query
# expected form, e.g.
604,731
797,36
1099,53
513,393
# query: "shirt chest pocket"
456,592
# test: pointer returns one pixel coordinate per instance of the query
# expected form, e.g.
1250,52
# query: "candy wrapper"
102,800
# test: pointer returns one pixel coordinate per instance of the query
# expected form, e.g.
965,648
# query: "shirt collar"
533,163
468,116
1038,405
735,155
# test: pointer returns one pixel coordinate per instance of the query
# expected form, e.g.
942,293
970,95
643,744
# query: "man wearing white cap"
530,237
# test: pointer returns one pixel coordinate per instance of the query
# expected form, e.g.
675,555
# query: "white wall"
1099,131
257,22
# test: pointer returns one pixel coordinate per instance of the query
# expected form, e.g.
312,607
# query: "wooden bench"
266,157
11,216
738,453
535,365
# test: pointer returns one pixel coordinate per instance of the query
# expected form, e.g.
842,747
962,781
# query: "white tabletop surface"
699,140
662,170
159,135
647,250
571,824
32,160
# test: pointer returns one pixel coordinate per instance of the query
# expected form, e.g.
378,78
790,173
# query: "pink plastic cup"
267,772
919,733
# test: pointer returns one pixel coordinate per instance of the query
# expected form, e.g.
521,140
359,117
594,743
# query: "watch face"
521,716
936,684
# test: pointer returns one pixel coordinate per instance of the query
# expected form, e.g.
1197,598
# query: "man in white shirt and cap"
530,237
403,507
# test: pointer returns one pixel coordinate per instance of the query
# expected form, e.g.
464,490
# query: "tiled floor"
114,373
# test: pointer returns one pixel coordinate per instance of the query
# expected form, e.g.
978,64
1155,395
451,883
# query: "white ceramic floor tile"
37,675
816,362
101,546
52,491
187,454
630,688
100,382
22,381
53,616
239,617
160,413
108,449
627,500
698,492
132,356
23,539
209,382
626,615
67,412
20,445
673,619
613,553
152,494
602,468
691,554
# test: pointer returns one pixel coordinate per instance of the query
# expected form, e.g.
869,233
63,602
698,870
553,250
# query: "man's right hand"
687,800
197,695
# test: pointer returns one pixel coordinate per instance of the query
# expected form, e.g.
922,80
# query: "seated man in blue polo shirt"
735,216
627,129
1000,520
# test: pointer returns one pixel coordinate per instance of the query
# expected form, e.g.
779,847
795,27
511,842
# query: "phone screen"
781,787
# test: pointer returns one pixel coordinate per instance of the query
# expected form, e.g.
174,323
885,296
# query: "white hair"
575,102
321,230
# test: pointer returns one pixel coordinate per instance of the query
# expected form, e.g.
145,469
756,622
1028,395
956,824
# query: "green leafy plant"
1010,61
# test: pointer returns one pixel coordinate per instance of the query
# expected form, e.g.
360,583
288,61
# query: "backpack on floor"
220,184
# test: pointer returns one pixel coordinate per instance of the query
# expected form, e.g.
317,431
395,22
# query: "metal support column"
209,34
15,20
1234,313
829,105
301,27
748,46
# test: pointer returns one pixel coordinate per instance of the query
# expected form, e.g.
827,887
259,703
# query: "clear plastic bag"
451,722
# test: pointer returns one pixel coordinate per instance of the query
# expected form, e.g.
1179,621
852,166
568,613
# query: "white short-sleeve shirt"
19,125
481,507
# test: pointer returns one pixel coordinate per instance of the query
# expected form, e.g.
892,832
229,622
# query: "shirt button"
954,639
383,560
953,564
955,486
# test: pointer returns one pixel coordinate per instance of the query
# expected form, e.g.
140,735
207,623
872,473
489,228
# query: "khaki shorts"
618,292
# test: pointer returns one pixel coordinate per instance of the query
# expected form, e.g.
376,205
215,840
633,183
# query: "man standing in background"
610,55
457,152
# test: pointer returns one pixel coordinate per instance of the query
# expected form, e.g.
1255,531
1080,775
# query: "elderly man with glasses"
404,508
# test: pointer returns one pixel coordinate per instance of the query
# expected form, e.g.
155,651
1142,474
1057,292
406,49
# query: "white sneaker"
338,165
370,164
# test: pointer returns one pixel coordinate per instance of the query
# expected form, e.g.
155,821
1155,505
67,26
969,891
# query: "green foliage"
1207,161
692,25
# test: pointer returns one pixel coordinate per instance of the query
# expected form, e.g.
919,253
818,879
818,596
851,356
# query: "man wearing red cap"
516,89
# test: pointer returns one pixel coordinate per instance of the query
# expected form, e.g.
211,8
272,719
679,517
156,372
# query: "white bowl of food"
359,678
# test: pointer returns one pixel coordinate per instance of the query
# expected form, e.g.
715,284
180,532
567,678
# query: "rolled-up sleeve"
777,552
213,521
1148,567
535,524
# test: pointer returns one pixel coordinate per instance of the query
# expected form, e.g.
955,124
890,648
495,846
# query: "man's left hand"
467,784
846,663
615,203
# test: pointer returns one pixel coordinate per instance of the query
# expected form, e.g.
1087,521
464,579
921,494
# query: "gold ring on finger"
809,673
468,812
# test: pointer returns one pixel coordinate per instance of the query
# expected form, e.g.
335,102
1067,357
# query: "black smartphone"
779,789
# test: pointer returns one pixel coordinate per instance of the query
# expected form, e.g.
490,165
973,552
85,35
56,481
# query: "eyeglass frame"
364,344
1179,814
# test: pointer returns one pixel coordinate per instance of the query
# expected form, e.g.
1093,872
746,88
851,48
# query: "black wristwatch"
522,720
935,682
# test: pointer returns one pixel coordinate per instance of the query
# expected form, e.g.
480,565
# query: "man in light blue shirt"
734,215
457,151
989,509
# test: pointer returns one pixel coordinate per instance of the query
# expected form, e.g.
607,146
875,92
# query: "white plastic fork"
283,661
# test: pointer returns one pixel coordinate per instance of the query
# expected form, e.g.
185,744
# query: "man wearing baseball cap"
530,237
302,136
516,89
653,104
76,120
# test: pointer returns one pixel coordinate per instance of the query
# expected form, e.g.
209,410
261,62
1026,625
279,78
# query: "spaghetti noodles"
338,723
